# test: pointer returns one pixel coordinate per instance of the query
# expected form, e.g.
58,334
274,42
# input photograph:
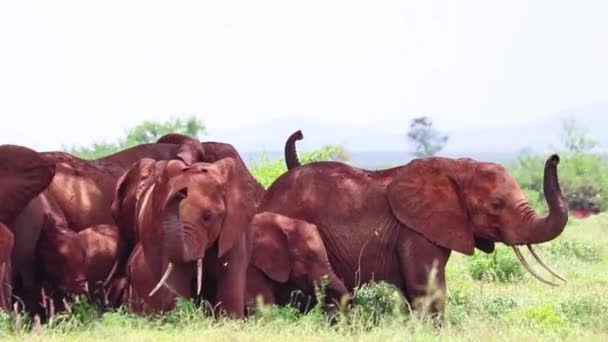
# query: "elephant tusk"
540,261
111,274
86,287
530,269
163,279
199,276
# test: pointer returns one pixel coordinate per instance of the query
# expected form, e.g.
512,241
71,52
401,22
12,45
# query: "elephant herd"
184,218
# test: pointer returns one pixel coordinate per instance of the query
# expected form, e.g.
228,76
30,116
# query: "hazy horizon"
73,73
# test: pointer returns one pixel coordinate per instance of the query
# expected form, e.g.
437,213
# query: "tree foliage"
146,132
426,139
583,174
576,138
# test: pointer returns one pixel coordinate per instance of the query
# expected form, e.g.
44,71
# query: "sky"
74,72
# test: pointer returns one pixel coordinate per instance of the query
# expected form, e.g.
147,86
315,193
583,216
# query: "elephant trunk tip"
291,155
553,160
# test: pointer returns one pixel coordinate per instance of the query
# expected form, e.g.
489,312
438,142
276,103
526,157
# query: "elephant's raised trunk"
291,155
541,229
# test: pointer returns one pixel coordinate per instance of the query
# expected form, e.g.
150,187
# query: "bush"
585,311
569,249
497,305
378,300
266,170
459,306
500,266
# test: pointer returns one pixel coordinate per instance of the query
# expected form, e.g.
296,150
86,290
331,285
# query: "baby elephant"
76,262
288,258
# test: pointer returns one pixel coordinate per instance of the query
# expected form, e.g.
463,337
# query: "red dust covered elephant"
397,224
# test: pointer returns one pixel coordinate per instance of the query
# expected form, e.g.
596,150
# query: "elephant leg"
422,266
231,284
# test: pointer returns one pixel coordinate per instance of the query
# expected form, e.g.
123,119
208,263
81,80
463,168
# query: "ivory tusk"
111,274
540,261
530,269
162,280
199,276
86,287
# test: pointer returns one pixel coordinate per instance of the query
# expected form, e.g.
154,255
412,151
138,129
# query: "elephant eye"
207,216
310,256
497,204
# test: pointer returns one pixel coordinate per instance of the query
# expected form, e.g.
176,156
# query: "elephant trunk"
541,229
291,155
336,288
180,242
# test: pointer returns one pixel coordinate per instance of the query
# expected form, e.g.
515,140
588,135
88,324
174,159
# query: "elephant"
6,248
23,176
288,257
401,224
84,189
191,221
77,262
130,185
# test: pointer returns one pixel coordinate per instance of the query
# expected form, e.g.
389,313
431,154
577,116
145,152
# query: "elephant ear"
190,150
240,203
270,248
23,175
129,189
425,198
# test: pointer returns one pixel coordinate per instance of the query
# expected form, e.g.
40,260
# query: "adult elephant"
23,176
130,186
192,222
84,189
397,224
289,258
6,248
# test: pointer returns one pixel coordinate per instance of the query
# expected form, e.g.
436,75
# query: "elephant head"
460,204
6,248
61,257
291,250
215,151
188,209
23,175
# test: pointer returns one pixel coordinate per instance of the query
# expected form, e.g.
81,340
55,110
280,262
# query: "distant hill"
380,147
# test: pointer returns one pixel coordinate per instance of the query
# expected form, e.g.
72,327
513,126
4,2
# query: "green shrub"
586,310
500,266
545,316
496,305
266,170
459,306
374,301
568,249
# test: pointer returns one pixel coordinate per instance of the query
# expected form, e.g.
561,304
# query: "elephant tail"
291,155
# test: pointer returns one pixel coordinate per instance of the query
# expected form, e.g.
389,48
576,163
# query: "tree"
426,139
150,131
575,138
146,132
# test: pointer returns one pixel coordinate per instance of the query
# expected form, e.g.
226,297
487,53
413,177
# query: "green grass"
520,308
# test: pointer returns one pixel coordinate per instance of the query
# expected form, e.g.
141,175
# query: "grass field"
506,304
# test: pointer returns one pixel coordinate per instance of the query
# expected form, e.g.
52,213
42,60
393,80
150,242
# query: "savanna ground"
490,296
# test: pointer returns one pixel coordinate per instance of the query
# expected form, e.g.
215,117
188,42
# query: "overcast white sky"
72,72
